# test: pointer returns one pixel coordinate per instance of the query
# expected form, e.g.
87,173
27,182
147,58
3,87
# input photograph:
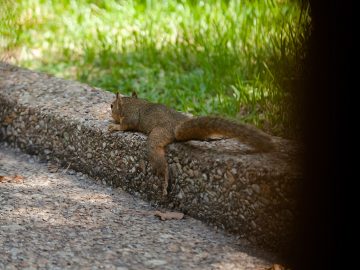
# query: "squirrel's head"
117,107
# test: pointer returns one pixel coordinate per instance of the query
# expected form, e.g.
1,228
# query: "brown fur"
164,125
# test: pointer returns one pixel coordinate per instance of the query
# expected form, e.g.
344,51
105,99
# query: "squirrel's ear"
134,95
118,97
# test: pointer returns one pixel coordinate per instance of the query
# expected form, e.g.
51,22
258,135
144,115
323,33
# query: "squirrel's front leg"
114,127
118,127
157,141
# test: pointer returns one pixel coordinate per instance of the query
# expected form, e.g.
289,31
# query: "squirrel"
164,125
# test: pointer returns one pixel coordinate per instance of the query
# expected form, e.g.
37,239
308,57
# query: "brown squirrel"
164,125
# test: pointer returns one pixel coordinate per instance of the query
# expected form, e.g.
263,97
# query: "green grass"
238,59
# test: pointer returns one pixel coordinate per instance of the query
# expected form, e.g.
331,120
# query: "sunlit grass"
233,58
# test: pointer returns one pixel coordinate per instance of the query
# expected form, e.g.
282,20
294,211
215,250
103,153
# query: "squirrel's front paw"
114,127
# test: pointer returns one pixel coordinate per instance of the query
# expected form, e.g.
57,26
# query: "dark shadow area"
324,122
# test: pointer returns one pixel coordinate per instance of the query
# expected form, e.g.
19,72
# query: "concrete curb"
220,182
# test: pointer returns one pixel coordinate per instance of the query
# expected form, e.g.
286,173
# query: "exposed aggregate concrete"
221,182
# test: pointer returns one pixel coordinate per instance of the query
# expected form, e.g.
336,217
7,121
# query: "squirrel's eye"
111,106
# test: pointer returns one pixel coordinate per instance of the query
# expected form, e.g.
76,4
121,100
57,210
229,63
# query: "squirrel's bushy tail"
204,127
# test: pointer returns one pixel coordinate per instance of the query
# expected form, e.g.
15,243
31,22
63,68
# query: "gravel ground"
54,218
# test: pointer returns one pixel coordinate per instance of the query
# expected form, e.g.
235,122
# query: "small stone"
253,224
255,188
180,195
155,262
205,197
179,167
249,191
230,178
66,136
173,248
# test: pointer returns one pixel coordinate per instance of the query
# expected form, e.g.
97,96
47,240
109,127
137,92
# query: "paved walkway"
53,218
